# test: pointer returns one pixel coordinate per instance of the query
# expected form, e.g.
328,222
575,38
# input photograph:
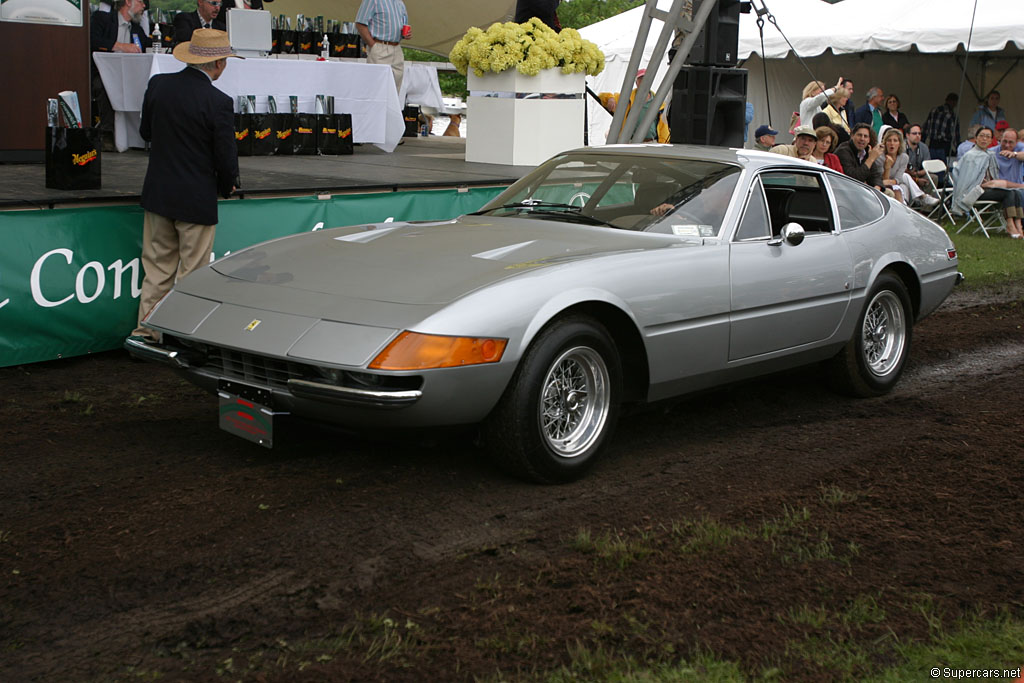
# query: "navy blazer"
103,32
193,156
187,22
863,115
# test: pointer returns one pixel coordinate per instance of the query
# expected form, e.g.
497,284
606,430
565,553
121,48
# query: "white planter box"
516,124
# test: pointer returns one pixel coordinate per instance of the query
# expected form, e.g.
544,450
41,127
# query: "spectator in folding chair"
977,179
965,146
1010,159
917,154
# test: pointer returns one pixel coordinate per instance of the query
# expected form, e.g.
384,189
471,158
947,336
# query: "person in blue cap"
764,138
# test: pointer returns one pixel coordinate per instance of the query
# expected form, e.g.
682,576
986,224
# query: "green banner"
70,278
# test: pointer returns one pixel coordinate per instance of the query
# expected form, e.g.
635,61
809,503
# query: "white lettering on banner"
118,268
37,293
4,302
318,226
101,280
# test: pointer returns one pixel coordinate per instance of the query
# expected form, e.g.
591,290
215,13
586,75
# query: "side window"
755,223
797,198
856,203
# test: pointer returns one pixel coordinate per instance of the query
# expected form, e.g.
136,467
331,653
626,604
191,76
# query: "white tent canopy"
857,39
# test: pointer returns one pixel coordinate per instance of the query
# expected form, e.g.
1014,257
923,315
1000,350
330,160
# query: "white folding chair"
932,168
989,215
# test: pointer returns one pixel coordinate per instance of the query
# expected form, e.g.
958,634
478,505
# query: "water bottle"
325,48
158,45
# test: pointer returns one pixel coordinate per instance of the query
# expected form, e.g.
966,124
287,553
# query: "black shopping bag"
73,157
288,43
327,133
352,45
275,41
166,36
343,124
304,134
285,134
307,43
243,134
337,44
264,134
412,122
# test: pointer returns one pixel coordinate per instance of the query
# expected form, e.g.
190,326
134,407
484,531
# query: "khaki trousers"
170,250
382,53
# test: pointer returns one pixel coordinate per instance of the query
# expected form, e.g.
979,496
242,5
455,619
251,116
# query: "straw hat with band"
207,45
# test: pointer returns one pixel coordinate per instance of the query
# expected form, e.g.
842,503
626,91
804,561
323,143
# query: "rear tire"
872,361
559,411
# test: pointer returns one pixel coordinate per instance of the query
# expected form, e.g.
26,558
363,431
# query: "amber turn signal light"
415,351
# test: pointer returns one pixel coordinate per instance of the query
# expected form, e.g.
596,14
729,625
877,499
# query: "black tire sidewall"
517,416
873,383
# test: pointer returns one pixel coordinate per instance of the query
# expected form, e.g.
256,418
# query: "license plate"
245,411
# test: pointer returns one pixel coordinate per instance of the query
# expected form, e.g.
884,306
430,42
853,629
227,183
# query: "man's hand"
661,209
873,154
129,48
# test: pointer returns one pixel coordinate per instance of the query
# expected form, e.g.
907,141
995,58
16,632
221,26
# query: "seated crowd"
880,146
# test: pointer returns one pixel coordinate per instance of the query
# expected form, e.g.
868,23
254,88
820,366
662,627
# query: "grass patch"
975,644
598,664
706,534
832,495
614,548
987,261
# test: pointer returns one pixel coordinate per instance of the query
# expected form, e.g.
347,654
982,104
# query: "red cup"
406,31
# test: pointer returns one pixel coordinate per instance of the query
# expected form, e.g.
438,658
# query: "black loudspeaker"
719,40
709,106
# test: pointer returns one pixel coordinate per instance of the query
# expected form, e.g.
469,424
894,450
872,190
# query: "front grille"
275,373
256,369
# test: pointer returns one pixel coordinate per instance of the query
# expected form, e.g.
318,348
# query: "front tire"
559,411
872,361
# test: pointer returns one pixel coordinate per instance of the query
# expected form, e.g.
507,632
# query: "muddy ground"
138,541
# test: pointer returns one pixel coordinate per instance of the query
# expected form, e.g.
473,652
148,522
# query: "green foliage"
580,13
173,5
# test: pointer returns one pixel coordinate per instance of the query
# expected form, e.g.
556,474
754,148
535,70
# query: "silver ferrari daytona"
607,276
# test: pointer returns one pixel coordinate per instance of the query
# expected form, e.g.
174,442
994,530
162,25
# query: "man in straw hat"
193,158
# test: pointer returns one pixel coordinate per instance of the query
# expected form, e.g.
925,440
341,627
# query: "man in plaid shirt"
942,128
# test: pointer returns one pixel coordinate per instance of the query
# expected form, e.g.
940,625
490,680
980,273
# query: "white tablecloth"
367,91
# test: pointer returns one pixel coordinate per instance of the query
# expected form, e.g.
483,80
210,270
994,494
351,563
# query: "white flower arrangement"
530,47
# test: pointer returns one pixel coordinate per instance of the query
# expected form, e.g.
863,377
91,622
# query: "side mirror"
792,233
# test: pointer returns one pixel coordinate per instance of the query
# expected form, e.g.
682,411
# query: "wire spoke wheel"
884,333
575,401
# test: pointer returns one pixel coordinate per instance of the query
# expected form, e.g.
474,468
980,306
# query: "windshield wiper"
575,216
529,204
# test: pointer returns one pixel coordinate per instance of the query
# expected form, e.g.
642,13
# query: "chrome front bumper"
300,388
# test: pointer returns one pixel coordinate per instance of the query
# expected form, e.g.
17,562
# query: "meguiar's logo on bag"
344,133
262,134
284,134
305,46
241,134
83,159
305,131
328,131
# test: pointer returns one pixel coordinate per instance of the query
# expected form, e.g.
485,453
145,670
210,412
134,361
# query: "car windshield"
627,192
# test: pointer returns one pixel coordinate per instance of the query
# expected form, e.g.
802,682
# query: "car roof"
730,155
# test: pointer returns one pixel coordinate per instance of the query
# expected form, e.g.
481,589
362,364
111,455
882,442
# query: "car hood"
423,263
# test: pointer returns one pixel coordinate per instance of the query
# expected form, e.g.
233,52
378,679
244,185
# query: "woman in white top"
813,98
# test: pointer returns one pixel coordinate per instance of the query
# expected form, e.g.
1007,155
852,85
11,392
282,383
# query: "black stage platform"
420,163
